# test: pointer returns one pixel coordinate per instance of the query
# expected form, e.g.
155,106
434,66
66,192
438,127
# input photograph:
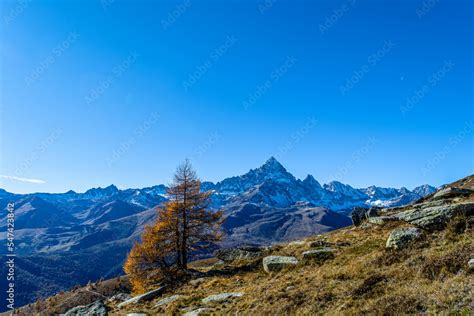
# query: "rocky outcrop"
277,263
239,253
95,309
435,217
380,220
319,255
221,297
168,300
144,297
450,192
402,237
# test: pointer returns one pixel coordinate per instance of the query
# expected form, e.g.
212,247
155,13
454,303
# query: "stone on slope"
277,263
95,309
435,217
144,297
319,243
244,252
402,237
470,264
221,297
297,243
168,300
197,312
319,255
360,214
380,220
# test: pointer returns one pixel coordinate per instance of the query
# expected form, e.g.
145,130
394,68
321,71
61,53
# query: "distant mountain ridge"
265,205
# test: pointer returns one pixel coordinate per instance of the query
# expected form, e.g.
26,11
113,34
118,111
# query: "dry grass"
364,278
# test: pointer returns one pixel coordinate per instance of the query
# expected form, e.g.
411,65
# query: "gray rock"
120,297
319,255
402,237
470,264
380,220
435,217
277,263
95,309
297,243
221,297
197,312
319,243
168,300
144,297
244,252
360,214
197,281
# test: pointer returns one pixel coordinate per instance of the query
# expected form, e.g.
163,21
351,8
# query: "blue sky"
364,92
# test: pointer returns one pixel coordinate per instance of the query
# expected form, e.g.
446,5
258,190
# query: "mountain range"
70,238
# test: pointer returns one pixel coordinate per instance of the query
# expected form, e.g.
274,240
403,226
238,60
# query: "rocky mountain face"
86,236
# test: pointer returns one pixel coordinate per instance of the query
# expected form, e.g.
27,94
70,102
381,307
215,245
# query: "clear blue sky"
364,92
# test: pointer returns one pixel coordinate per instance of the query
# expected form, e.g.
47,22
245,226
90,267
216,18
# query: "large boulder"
95,309
360,214
319,255
435,217
277,263
144,297
239,253
221,297
402,237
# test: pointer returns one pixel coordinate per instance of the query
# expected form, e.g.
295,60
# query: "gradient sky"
364,92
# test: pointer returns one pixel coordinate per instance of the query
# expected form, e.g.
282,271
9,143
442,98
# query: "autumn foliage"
184,226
